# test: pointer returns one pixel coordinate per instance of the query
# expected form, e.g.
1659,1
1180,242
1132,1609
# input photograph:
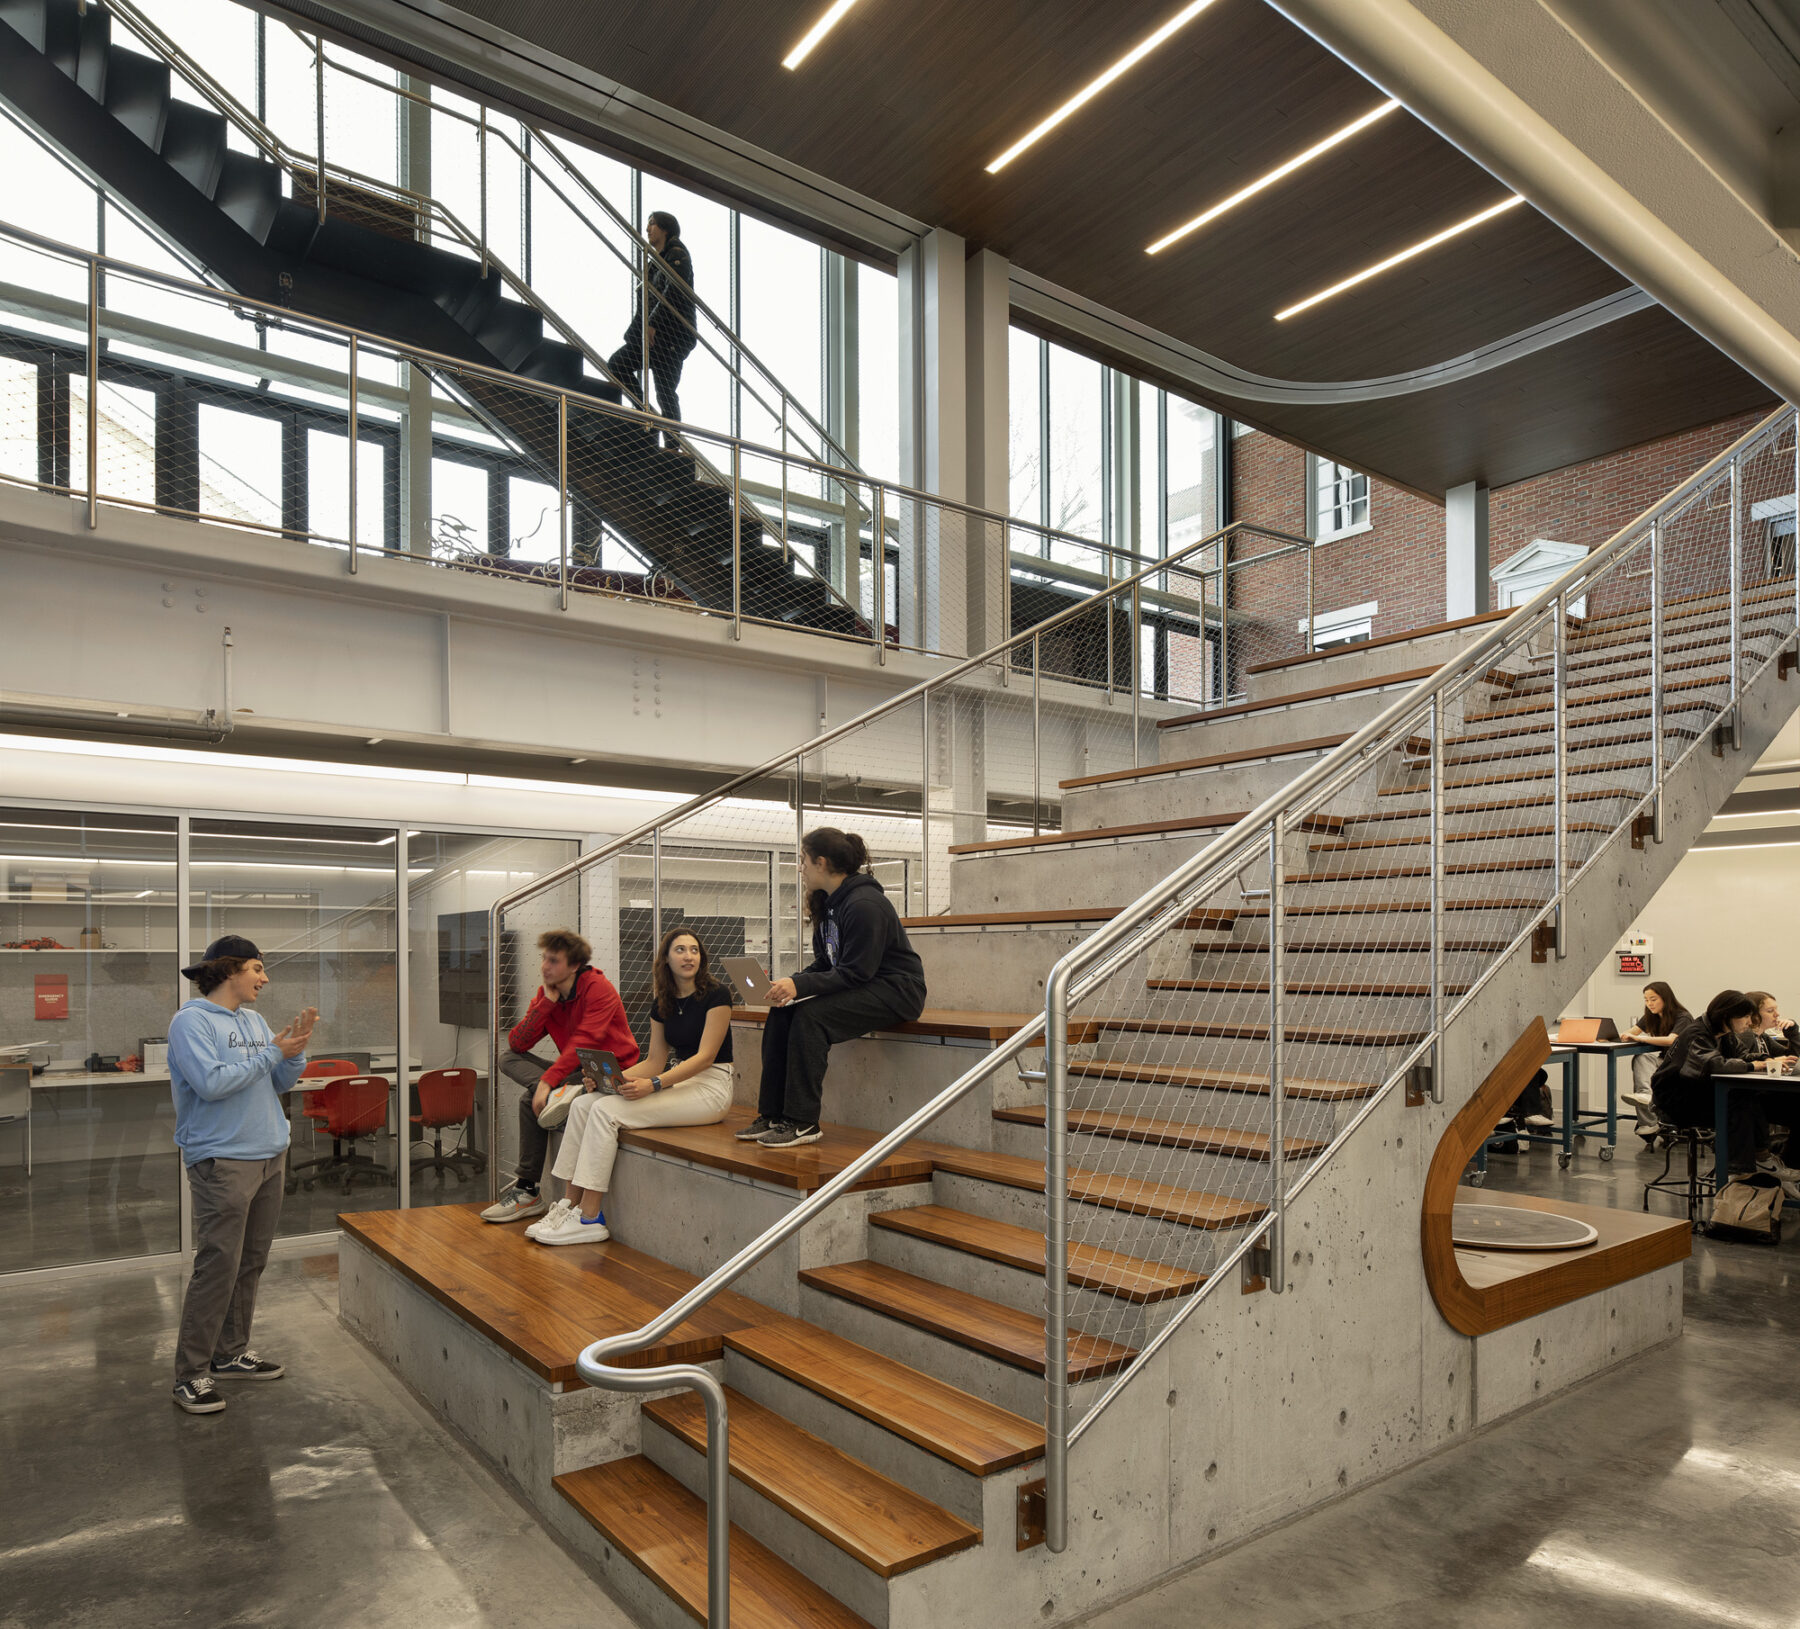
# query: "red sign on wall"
52,991
1633,964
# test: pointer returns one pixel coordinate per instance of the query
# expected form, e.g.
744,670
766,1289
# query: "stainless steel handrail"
1082,969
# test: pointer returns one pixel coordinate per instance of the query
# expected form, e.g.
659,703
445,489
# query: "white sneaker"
572,1229
550,1219
515,1205
1771,1165
1538,1120
1642,1099
557,1105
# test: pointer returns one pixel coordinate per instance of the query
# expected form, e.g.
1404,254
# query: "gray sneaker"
515,1205
755,1131
785,1135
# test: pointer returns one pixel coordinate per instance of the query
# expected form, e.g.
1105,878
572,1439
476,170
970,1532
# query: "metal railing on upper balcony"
1646,604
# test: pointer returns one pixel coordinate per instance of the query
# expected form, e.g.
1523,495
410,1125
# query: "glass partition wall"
98,909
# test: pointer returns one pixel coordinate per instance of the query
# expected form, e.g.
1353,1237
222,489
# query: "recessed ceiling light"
1405,254
1274,175
1094,87
834,14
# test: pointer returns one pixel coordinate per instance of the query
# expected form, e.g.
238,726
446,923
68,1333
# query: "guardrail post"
355,369
880,553
319,115
1656,683
1106,611
1277,1076
1224,622
1437,897
497,1029
784,480
1056,1260
562,496
799,892
1309,602
93,396
1737,605
656,888
481,165
737,531
1036,740
1559,789
1006,627
1137,672
925,803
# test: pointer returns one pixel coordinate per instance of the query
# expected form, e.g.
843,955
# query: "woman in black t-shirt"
683,1079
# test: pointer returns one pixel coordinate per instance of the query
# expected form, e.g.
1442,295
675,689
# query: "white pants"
1643,1066
590,1139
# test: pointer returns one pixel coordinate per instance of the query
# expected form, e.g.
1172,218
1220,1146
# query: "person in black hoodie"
1703,1047
863,976
668,306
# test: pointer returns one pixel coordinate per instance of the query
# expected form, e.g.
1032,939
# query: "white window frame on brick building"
1348,625
1777,518
1337,500
1534,568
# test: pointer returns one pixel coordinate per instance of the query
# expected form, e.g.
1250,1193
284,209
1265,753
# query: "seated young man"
576,1006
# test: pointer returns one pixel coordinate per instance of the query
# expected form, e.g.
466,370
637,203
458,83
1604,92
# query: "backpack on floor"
1750,1207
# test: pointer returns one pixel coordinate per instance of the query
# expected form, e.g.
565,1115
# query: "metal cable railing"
1705,562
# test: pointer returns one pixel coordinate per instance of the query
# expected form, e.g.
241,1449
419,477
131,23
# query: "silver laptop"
752,982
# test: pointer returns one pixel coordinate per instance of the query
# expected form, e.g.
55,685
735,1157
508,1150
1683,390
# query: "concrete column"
1465,551
415,418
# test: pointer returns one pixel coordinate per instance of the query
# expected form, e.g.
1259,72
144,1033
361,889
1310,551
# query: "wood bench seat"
804,1169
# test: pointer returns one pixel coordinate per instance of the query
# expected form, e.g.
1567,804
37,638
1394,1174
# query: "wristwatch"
656,1083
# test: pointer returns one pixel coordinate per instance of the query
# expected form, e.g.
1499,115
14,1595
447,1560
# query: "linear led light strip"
834,14
1380,266
1094,86
1280,172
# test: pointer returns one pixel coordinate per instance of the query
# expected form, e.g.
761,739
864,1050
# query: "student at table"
1781,1034
683,1080
1663,1014
1682,1084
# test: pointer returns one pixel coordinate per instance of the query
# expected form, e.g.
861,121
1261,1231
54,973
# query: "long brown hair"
1669,1019
843,851
662,981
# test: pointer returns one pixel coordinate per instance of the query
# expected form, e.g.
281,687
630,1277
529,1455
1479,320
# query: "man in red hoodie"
576,1007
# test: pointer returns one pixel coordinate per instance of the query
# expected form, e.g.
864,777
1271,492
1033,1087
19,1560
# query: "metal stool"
1695,1188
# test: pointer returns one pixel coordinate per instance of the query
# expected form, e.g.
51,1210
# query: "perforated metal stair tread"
1157,1133
1130,1278
1001,1332
1145,828
885,1526
1246,755
660,1528
1188,1206
963,1430
1326,692
1219,1080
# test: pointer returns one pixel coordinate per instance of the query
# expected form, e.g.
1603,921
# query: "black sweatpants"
534,1141
666,363
798,1038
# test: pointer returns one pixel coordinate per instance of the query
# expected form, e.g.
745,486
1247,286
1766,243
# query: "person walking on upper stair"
668,326
864,976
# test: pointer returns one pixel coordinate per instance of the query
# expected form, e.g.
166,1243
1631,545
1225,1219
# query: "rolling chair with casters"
446,1098
352,1109
1697,1187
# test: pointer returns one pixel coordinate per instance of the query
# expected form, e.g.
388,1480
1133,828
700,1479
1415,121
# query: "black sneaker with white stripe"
198,1396
755,1131
245,1366
784,1134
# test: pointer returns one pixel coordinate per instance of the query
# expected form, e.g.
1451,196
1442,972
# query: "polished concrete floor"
1666,1493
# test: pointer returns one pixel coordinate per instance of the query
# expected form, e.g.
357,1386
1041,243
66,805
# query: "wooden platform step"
1325,692
1000,1332
1219,1080
1222,760
1189,1206
1162,1133
963,1430
803,1169
1130,1278
947,1023
1428,632
1145,828
871,1518
660,1528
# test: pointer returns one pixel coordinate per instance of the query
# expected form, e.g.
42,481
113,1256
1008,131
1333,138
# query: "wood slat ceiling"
908,100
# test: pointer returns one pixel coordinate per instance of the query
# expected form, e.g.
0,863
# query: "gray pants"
236,1206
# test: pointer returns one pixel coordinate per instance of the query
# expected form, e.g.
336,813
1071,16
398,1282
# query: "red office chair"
316,1068
353,1109
446,1098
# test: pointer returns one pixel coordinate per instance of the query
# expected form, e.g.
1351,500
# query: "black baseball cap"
230,944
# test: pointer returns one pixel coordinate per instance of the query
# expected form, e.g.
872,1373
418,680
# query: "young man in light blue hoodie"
229,1071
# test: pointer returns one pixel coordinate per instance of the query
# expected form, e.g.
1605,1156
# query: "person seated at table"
1683,1082
1782,1035
1662,1015
683,1080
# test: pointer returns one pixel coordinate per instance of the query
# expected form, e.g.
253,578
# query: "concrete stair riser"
1321,1011
1226,789
1179,1167
1200,1106
1001,967
1318,917
1410,818
1329,715
1532,882
1352,666
1304,1060
974,1372
1384,966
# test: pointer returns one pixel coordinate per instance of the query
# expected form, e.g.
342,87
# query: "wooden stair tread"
1341,947
1378,907
1426,632
1143,828
660,1528
1299,987
1383,873
1189,1206
1219,1080
976,1436
1001,1332
1245,755
1157,1133
804,1169
885,1526
1009,919
949,1023
1349,846
543,1306
1595,794
1325,692
1130,1278
1302,1033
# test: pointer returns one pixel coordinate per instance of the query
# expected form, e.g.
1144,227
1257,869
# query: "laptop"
601,1070
1586,1031
752,982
